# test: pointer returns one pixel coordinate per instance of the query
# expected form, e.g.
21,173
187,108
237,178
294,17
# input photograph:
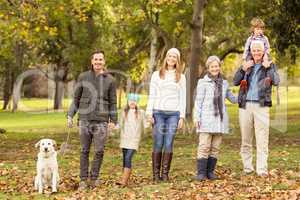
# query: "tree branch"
229,51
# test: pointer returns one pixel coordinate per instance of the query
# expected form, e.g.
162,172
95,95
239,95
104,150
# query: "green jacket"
95,98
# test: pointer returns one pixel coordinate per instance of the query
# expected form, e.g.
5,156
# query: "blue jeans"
164,129
127,157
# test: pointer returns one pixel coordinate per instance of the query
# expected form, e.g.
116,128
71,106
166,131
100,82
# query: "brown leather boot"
156,163
166,163
125,177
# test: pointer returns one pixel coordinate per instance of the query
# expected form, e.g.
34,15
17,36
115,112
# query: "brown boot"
166,163
156,163
125,177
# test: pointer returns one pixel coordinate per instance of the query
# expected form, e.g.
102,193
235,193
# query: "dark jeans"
96,132
127,157
164,129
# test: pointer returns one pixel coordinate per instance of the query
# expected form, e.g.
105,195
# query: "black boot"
166,163
211,165
156,164
201,169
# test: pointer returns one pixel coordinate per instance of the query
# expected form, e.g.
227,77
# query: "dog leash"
64,145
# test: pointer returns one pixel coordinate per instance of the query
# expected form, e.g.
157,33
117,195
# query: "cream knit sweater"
166,94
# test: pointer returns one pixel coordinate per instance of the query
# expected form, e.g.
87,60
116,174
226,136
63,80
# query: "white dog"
47,167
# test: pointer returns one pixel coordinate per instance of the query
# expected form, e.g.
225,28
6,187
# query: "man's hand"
70,122
180,123
247,65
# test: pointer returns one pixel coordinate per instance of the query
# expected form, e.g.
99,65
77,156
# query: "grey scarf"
218,91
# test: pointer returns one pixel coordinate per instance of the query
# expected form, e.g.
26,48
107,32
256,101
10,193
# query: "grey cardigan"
204,107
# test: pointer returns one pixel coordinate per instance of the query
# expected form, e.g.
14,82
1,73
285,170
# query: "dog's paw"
54,191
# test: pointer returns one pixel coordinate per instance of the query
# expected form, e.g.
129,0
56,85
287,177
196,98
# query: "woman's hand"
150,119
180,123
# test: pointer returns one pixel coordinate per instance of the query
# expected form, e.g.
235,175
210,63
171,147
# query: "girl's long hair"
126,109
178,69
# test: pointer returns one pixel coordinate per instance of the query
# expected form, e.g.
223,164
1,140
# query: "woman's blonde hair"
178,67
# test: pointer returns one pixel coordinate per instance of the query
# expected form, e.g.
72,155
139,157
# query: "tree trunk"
293,55
120,98
58,96
19,53
196,45
7,92
60,78
92,36
153,54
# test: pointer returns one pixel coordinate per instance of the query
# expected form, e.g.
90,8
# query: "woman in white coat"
210,117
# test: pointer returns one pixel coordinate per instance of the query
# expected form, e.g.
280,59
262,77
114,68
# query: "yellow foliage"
37,29
24,33
53,31
25,24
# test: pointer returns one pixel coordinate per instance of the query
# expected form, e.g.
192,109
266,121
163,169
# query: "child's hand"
148,124
266,63
117,126
247,65
197,124
111,125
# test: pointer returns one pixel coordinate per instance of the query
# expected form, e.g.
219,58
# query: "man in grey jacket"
95,100
255,78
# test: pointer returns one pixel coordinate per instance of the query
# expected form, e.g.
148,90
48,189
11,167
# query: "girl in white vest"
132,124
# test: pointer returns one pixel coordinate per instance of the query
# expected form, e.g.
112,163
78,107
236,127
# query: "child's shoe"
244,85
268,82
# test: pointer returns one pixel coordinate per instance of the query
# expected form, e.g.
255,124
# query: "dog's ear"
37,144
54,143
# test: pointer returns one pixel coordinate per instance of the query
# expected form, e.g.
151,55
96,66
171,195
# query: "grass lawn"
24,129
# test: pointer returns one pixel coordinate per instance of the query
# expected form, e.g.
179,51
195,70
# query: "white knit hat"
257,44
175,51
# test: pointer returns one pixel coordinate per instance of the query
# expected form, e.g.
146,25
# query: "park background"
45,45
